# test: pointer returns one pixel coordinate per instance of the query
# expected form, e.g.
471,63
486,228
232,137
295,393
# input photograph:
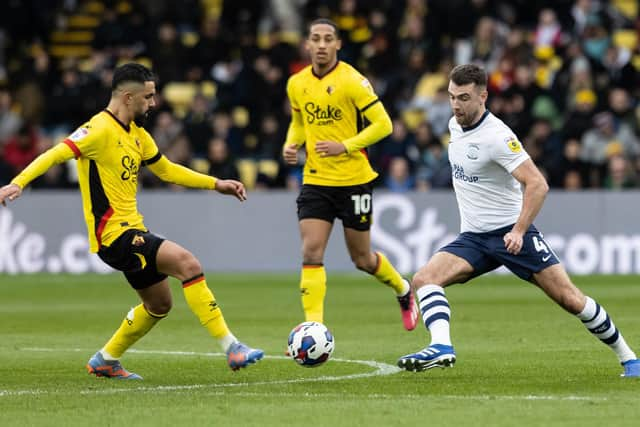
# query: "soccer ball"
310,344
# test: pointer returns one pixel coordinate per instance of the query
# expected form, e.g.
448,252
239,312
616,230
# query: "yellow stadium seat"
290,37
124,7
189,38
83,21
208,89
628,8
412,118
268,167
72,37
248,171
94,7
200,165
625,38
179,95
240,117
60,51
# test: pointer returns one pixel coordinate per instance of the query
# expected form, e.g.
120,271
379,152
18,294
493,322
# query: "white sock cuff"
427,289
106,355
589,310
225,342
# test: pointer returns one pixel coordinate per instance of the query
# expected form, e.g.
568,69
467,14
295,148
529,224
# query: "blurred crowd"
562,74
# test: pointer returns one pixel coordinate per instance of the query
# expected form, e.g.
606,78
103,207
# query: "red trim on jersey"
198,279
295,109
103,224
364,153
73,146
311,266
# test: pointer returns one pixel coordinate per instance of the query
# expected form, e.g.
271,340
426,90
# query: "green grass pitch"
521,360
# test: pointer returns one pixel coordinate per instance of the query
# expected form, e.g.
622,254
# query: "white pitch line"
380,370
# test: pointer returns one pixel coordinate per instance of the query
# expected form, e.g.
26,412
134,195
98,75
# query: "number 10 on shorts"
361,203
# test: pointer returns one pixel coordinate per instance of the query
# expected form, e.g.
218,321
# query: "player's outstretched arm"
168,171
53,156
174,173
9,192
232,187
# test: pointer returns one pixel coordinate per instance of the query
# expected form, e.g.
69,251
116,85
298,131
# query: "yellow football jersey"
331,107
109,155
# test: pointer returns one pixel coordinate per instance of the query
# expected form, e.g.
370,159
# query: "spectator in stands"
604,138
569,164
6,171
212,47
548,32
398,144
619,104
166,129
66,101
169,55
620,174
220,162
112,33
405,49
10,121
399,178
572,180
197,125
270,137
580,117
542,144
434,169
21,149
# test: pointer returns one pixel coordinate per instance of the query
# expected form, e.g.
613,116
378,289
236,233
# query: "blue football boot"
434,356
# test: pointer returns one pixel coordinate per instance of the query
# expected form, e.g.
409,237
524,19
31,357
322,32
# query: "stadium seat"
179,95
200,165
628,8
208,89
269,168
625,38
248,171
240,117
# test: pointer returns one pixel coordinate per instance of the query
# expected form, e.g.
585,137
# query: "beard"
141,119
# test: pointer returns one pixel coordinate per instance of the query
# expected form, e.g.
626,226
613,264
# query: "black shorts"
134,253
353,205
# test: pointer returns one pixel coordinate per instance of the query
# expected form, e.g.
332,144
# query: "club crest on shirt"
79,134
472,151
513,144
367,85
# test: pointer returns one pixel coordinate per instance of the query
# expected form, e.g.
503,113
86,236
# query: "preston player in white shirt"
499,191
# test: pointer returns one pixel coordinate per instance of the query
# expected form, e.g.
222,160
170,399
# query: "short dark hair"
131,72
323,21
468,73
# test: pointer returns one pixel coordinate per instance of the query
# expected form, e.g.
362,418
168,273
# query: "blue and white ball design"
310,344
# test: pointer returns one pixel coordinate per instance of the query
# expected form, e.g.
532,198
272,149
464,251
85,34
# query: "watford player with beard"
110,149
